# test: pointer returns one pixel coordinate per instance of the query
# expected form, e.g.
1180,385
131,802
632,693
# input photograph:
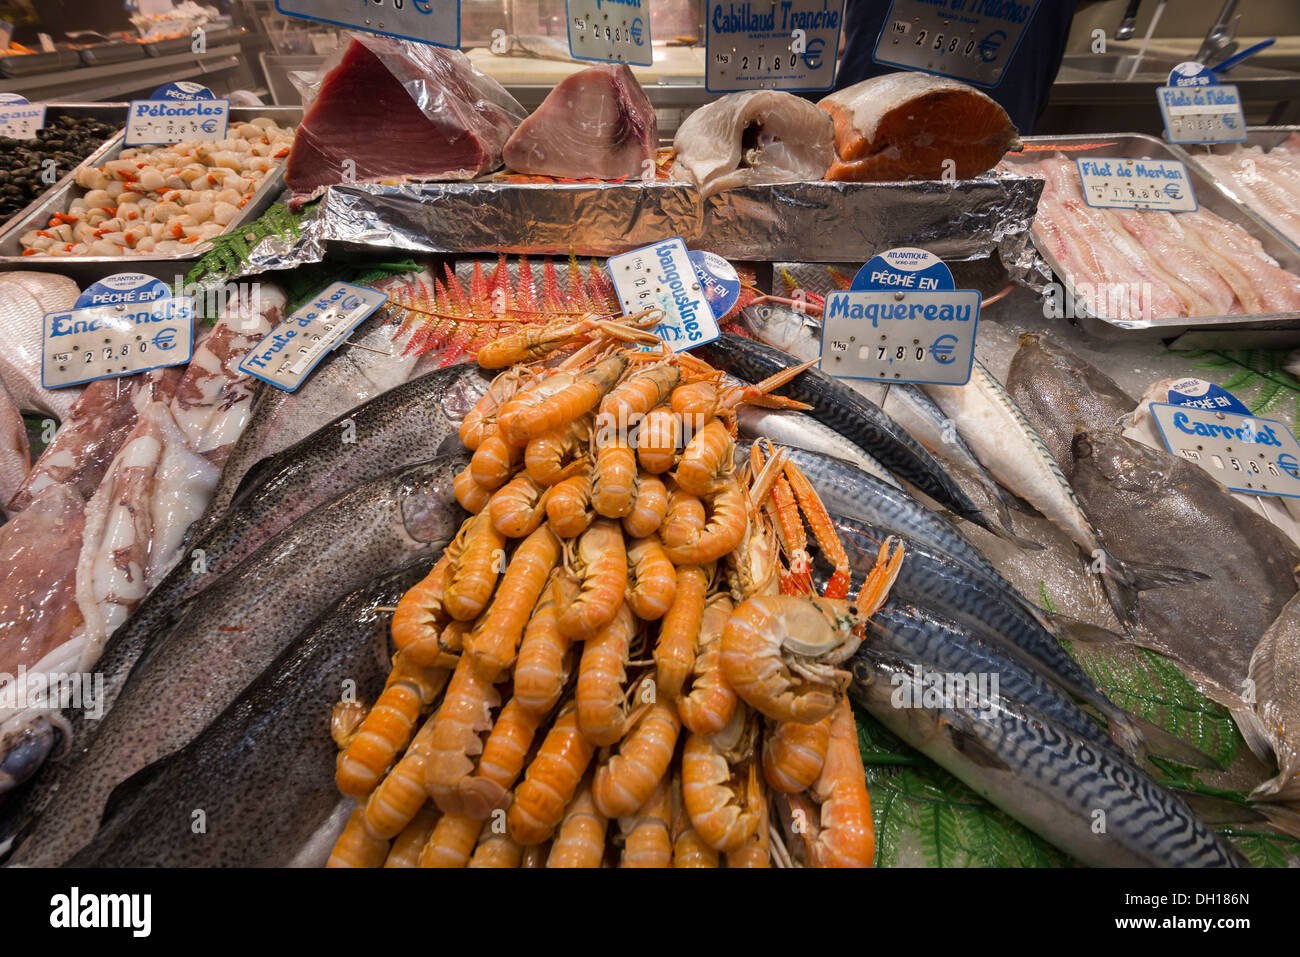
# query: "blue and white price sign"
970,40
125,323
901,321
288,353
18,118
663,276
424,21
1244,452
158,122
1136,184
614,31
1197,108
772,44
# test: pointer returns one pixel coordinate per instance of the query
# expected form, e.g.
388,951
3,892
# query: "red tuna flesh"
400,110
596,124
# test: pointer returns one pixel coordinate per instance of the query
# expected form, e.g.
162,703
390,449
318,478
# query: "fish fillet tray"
1209,195
1265,137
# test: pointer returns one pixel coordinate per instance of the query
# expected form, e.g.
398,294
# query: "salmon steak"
759,136
906,125
596,124
440,118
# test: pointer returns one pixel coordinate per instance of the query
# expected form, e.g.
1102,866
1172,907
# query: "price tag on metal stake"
1244,452
425,21
1197,108
772,44
616,31
663,276
125,323
287,355
901,321
967,41
1136,184
18,118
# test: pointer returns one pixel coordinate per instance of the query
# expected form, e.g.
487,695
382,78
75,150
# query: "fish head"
468,385
22,750
430,512
1128,465
778,325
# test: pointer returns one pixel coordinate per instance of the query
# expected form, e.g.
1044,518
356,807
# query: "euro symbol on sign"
990,45
812,56
209,126
165,340
1287,463
635,30
943,348
1172,191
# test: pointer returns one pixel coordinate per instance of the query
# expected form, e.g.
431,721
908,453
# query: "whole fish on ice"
1159,507
263,770
230,635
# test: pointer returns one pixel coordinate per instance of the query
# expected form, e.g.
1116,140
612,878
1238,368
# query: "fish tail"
1144,577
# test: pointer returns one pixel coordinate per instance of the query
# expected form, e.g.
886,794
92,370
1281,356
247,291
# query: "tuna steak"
906,125
596,124
441,118
759,136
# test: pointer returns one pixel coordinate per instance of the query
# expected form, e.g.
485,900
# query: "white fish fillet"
1143,264
759,136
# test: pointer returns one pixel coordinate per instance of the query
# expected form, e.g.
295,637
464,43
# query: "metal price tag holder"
615,31
1244,452
287,355
966,40
1197,108
424,21
1136,184
122,324
772,44
901,321
662,276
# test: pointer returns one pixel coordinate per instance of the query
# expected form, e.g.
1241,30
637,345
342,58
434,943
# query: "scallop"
99,198
151,179
163,212
102,247
225,213
201,212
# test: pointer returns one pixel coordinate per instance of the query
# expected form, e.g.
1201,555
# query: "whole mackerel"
944,647
1046,776
853,416
411,423
1014,453
227,639
263,771
800,431
986,605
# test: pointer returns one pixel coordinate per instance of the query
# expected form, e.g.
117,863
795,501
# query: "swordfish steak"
905,125
597,124
440,119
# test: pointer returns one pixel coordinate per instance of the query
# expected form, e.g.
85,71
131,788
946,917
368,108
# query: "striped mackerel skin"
1078,797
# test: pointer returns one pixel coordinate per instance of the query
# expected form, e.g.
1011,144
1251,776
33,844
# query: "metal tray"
116,51
1265,137
106,112
28,64
1208,195
167,47
59,198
